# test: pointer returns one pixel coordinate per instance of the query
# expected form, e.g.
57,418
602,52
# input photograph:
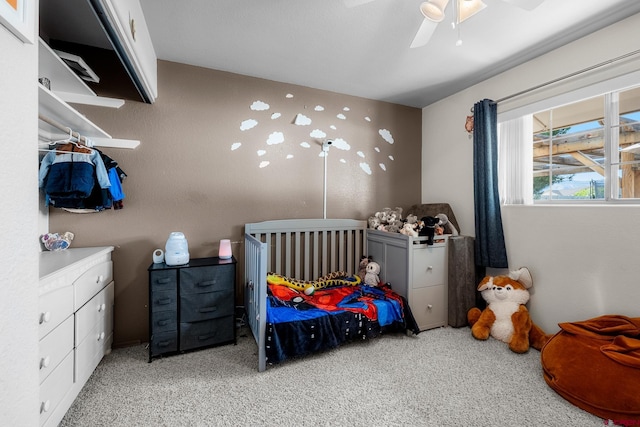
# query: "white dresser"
75,306
416,271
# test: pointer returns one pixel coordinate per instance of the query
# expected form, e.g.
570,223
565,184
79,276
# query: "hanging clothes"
71,174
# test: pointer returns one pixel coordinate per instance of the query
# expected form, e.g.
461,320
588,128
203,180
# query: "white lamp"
224,252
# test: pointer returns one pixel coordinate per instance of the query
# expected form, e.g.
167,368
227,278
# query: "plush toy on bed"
506,317
371,278
362,267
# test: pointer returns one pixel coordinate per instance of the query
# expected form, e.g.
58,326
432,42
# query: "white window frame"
606,88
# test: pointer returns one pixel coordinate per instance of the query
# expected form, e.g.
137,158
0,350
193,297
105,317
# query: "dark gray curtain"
490,247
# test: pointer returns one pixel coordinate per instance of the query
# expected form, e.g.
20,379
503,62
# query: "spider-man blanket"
299,324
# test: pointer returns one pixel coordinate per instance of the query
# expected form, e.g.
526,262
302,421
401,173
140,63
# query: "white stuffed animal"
371,277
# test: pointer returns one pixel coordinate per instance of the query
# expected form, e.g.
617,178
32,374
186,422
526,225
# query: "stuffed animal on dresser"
506,317
371,277
429,228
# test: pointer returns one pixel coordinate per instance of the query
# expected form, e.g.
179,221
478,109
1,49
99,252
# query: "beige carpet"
442,377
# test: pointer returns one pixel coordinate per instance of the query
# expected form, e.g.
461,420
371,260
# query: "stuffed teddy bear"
446,224
362,267
409,230
371,277
506,317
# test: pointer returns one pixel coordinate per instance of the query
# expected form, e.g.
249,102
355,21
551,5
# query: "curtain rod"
568,76
81,139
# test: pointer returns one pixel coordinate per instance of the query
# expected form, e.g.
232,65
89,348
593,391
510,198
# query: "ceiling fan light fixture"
433,10
468,8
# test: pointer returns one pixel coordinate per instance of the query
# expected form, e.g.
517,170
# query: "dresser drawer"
55,347
208,332
429,306
206,279
94,313
91,282
163,321
163,280
429,266
90,351
164,301
55,387
54,308
164,342
196,307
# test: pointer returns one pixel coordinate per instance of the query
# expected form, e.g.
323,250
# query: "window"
588,150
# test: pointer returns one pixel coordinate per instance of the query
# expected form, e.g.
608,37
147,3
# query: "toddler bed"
284,320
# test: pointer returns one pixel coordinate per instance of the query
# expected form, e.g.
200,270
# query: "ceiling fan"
433,13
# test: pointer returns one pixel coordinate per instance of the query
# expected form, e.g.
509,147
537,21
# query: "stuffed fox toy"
506,317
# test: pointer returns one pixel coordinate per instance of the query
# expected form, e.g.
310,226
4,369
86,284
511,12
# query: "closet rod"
81,139
568,76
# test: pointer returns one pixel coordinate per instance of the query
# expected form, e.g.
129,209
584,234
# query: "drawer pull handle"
44,362
101,307
430,268
44,406
164,301
208,309
45,317
100,278
429,306
207,283
163,280
205,337
101,336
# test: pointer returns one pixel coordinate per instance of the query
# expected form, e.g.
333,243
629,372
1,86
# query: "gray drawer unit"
191,306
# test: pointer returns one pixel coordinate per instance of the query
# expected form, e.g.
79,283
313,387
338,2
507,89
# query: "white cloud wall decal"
341,144
302,120
264,164
275,138
361,154
261,152
319,108
259,106
275,116
317,133
383,167
305,144
365,167
235,146
248,124
341,116
386,135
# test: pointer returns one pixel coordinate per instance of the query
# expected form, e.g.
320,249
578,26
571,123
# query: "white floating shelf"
50,105
115,143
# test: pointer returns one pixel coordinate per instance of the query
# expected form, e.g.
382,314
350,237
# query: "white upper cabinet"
124,23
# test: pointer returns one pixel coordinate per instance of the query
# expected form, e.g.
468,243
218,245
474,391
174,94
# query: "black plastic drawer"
196,307
208,332
206,279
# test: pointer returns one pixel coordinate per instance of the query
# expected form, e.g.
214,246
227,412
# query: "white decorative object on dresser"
416,271
75,308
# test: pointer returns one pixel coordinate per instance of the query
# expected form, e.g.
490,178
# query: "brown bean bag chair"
595,364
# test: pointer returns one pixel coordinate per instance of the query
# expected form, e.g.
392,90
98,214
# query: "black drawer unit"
191,306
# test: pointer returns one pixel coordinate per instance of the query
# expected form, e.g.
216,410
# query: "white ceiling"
364,50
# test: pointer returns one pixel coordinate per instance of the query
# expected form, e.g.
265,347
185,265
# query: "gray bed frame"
301,248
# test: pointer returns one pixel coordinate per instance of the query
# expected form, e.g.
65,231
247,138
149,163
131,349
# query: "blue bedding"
299,324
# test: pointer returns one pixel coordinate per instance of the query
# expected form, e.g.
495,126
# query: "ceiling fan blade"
354,3
424,33
525,4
